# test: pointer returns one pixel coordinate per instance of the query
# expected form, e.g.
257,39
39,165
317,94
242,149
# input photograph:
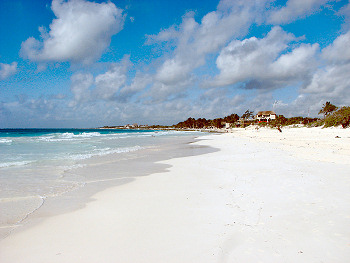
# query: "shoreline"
115,171
253,200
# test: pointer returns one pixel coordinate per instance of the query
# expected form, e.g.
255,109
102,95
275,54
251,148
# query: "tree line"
332,116
202,123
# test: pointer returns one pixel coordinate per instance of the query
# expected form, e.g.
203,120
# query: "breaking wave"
105,151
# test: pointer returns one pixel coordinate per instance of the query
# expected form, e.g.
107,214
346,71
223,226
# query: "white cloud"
248,58
161,92
295,9
345,12
275,61
81,87
170,91
297,64
196,40
138,85
329,84
7,70
80,33
265,63
332,82
111,85
164,35
31,112
173,71
339,50
110,82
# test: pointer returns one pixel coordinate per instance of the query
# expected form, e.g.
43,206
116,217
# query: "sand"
319,144
258,199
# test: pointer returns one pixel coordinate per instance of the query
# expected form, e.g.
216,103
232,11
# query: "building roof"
266,113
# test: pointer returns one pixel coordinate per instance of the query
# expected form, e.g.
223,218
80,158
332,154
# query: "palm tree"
248,114
327,109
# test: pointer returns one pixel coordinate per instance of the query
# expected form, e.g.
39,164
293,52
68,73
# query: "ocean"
36,164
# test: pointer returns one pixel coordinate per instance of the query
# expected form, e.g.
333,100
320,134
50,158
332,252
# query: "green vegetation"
247,115
204,123
231,118
333,116
327,109
339,117
244,121
283,121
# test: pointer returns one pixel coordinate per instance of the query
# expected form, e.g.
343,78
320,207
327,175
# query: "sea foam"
105,151
5,141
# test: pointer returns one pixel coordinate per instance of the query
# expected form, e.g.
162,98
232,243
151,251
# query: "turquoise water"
24,146
36,164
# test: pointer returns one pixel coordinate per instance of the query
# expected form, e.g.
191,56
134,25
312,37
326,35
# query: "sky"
79,63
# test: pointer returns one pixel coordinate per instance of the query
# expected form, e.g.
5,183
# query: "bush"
316,123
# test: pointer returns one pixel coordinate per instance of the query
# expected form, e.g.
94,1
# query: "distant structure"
133,126
265,116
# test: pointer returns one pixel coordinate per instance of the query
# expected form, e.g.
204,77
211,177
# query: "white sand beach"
265,196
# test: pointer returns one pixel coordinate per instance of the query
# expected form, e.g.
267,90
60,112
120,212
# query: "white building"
265,116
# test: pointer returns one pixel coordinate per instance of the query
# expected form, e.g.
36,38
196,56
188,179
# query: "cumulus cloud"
138,85
195,40
265,63
80,33
110,82
339,50
272,62
331,82
111,85
328,82
7,70
161,92
81,87
170,91
192,42
295,9
275,61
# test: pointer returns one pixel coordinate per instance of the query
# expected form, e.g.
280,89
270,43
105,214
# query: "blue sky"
78,63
